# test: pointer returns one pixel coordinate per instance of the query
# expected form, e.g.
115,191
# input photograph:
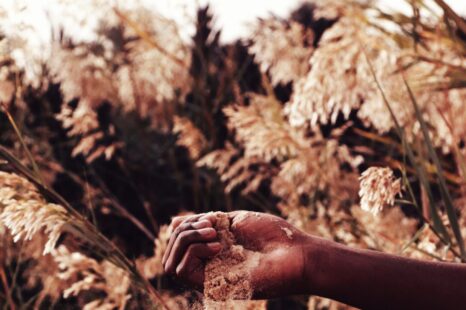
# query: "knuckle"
181,228
183,239
192,249
187,235
177,231
177,220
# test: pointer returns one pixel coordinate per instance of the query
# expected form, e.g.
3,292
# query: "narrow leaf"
442,183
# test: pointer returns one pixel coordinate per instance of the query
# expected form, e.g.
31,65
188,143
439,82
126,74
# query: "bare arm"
374,280
293,262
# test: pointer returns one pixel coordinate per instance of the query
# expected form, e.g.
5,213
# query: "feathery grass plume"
82,123
306,165
314,169
135,66
331,9
316,174
67,219
41,272
339,79
93,63
220,159
87,76
266,136
189,136
86,274
378,189
26,213
17,192
22,52
282,48
236,171
14,81
263,129
83,73
7,86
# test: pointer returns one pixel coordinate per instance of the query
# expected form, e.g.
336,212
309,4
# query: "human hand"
292,262
278,244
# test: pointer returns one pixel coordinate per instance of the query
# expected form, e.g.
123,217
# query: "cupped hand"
279,245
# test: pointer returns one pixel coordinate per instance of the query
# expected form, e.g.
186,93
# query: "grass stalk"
34,165
420,169
445,193
85,230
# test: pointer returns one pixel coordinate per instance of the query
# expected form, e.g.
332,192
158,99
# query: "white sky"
233,16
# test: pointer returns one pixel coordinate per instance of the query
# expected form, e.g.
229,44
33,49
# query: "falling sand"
227,283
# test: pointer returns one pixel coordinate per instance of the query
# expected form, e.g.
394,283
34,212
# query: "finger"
177,220
191,265
210,216
182,243
173,236
186,225
239,219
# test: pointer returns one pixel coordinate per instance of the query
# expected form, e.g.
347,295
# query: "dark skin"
293,262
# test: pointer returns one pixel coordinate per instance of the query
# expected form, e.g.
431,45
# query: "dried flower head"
189,136
25,212
236,171
89,274
378,188
340,79
263,129
282,48
132,59
316,171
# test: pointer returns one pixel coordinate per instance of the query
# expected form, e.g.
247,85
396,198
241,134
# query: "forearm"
370,279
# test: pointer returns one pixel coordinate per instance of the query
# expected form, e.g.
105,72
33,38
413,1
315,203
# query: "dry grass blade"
147,38
414,238
23,144
426,220
460,23
442,183
85,230
6,287
421,173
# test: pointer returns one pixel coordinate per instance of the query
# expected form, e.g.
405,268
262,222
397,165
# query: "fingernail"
215,246
208,232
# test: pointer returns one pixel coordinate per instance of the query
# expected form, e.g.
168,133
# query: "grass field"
345,120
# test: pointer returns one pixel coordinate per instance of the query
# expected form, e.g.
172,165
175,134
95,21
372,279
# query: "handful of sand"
226,275
227,281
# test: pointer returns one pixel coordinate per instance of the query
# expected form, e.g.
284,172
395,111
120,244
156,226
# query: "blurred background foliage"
134,125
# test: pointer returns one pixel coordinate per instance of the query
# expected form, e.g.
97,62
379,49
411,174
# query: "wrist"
317,270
